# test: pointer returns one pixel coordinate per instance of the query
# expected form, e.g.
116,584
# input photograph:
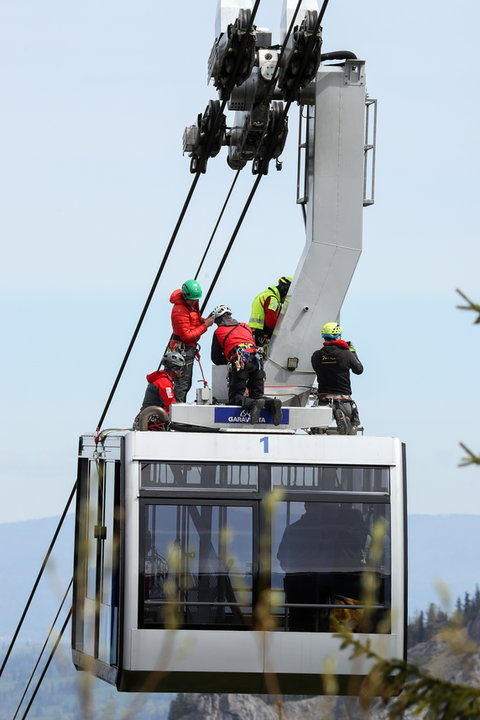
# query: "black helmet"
173,361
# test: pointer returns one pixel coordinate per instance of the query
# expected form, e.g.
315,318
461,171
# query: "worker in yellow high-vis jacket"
266,308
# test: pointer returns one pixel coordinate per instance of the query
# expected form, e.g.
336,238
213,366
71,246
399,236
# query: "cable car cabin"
206,560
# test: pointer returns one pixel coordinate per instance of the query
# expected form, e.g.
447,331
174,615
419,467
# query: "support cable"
277,69
173,237
43,649
148,300
118,377
47,664
237,228
217,224
231,241
127,354
35,585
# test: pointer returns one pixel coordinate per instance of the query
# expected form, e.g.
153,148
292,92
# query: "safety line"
47,665
43,648
35,585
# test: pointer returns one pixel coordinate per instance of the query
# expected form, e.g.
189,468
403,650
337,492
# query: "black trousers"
183,384
261,337
251,377
317,588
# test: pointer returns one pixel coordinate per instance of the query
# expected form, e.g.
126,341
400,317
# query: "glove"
351,347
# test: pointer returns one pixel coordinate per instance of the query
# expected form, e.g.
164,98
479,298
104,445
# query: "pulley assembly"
205,139
301,61
253,77
233,55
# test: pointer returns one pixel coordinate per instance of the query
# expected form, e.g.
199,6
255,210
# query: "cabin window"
202,476
205,562
198,565
330,478
331,566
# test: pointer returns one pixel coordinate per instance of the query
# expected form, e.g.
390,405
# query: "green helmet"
285,280
331,330
191,290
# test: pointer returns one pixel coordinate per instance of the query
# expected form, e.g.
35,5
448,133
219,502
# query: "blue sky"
95,97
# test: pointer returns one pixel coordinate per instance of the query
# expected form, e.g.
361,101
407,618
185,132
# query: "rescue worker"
233,344
266,309
333,364
187,327
160,389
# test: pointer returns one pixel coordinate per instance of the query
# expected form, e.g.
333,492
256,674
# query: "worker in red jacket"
187,327
233,344
160,389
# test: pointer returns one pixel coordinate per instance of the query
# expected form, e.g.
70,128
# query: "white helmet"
221,310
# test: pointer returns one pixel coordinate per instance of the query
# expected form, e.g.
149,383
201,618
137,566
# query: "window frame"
261,525
195,502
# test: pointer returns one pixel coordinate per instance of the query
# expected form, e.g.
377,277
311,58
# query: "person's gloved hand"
351,347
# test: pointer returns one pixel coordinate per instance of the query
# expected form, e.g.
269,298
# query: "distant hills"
445,548
441,547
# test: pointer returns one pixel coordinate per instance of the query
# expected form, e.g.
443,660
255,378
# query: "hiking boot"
255,411
277,412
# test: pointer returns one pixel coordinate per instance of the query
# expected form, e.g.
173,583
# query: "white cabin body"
180,552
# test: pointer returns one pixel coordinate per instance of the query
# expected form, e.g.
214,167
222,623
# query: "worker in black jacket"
333,364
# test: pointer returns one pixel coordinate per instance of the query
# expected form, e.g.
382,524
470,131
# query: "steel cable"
133,339
217,224
257,181
39,576
175,232
47,664
271,147
43,649
110,397
231,241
